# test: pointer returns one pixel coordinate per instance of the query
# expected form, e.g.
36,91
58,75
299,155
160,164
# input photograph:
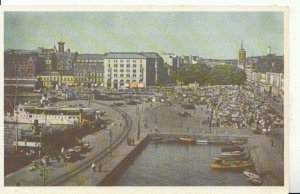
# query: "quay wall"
267,158
212,138
109,179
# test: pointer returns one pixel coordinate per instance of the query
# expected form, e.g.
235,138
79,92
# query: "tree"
191,73
226,75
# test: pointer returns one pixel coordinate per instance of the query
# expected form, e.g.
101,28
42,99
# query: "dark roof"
56,73
63,56
269,63
151,55
90,57
98,67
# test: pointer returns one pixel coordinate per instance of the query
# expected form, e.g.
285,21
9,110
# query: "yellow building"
52,78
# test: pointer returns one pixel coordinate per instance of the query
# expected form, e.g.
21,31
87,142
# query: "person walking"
93,166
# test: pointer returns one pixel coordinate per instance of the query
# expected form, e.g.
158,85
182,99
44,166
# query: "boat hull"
50,120
186,139
231,166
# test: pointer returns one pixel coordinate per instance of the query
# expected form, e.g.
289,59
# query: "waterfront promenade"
141,120
80,172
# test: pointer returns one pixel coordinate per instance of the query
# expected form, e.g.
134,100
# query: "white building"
132,69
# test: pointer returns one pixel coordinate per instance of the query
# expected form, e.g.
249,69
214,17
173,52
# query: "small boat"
238,142
201,141
227,165
233,153
255,181
242,158
231,148
186,139
250,174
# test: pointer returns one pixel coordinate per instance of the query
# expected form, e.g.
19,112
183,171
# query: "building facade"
124,70
51,79
89,70
19,64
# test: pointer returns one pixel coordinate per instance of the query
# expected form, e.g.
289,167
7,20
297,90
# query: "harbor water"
178,164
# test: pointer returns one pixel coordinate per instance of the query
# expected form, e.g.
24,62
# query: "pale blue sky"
206,34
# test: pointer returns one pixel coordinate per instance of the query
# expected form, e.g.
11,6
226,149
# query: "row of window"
122,60
88,61
127,65
127,70
125,75
57,79
86,74
86,79
48,116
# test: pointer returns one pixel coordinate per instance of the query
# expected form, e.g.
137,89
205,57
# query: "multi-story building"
89,69
47,59
51,79
132,69
19,63
65,59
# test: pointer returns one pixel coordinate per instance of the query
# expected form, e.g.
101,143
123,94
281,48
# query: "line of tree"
204,75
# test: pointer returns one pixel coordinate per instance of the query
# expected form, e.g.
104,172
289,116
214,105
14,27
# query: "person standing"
93,166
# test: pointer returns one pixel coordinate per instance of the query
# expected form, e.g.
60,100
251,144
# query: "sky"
205,34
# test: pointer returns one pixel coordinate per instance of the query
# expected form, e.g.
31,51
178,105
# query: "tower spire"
242,45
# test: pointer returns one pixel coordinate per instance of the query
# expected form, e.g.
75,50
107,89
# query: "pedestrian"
99,166
93,166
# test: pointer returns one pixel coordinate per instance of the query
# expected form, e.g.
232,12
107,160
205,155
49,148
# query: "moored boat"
51,115
227,165
230,148
250,174
233,153
242,158
186,139
202,141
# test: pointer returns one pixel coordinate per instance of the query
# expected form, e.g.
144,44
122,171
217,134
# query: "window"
127,75
141,66
133,75
128,61
128,65
121,75
115,70
134,70
141,75
121,61
121,65
134,65
115,65
108,65
115,75
127,70
121,70
116,61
